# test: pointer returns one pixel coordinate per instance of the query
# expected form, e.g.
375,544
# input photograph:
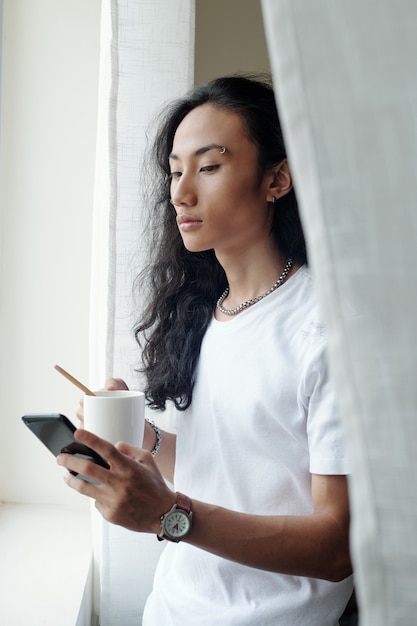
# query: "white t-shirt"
261,420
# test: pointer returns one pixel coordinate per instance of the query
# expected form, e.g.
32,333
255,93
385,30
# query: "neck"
227,306
249,275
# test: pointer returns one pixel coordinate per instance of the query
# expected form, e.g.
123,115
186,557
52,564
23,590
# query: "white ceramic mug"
117,415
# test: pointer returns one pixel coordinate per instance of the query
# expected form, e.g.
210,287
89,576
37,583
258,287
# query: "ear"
281,181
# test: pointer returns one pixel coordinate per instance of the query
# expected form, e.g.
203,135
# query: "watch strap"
183,502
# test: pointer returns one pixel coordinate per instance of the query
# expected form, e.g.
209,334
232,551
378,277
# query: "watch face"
176,524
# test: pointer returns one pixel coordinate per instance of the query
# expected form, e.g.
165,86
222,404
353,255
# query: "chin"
196,248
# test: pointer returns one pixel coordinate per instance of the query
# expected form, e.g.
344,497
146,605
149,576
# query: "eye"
175,175
209,168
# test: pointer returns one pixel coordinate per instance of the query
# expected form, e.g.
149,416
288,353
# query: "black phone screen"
57,433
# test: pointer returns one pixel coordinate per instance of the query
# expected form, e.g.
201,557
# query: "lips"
187,222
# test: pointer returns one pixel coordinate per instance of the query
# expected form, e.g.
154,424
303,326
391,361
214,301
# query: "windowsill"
45,565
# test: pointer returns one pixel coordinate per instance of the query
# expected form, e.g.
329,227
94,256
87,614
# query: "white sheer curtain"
345,74
147,58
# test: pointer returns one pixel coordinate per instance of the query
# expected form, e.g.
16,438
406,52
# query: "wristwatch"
176,524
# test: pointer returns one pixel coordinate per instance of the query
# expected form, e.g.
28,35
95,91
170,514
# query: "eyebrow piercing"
222,150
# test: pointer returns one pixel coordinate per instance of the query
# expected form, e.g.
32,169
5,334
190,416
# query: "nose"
183,192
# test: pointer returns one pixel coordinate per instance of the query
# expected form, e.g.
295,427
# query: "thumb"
115,383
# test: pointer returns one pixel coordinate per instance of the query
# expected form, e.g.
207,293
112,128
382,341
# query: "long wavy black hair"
182,287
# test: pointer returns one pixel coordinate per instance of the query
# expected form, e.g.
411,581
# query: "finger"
104,448
80,411
131,451
82,467
115,383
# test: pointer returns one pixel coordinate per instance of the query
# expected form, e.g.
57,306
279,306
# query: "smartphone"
57,433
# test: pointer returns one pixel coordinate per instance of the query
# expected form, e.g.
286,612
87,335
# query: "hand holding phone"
57,433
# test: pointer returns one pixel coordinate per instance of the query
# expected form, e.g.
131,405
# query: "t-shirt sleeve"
325,431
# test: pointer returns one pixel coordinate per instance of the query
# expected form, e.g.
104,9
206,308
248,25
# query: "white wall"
48,133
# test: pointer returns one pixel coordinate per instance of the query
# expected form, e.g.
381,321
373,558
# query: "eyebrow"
202,150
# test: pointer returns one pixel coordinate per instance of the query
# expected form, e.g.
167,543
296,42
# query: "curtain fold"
146,59
344,74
